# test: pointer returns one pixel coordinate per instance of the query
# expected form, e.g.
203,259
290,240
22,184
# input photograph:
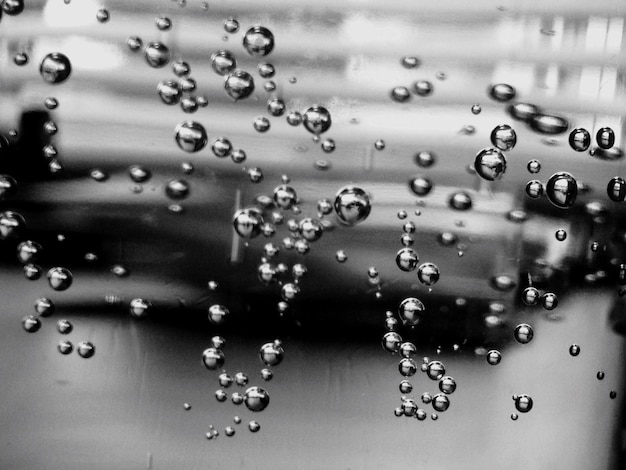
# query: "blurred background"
157,199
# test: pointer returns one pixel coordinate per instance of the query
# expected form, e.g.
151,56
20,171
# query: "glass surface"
404,208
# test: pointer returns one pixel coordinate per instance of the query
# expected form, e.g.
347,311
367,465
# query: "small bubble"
341,256
407,367
410,62
523,333
612,394
294,118
231,25
476,109
217,314
605,138
85,349
267,374
186,406
407,259
435,370
379,144
316,119
157,54
502,92
460,201
258,41
239,84
523,403
59,278
271,354
163,23
547,124
213,358
13,7
254,426
514,416
256,399
266,70
261,124
490,164
534,189
64,327
190,136
423,87
391,342
352,205
31,323
405,387
223,62
134,43
562,190
440,402
503,137
65,347
20,59
328,146
139,308
55,68
493,357
103,15
400,94
428,274
579,139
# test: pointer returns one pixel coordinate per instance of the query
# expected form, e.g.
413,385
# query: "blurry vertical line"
149,461
368,158
235,252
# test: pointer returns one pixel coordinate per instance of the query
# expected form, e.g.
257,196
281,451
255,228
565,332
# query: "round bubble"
441,402
605,138
579,139
411,311
44,307
493,357
258,41
523,333
217,314
239,84
574,350
86,349
59,278
616,189
407,259
256,399
420,185
65,347
317,120
213,358
530,296
534,189
502,92
435,370
490,164
55,68
523,403
191,136
460,201
428,274
407,367
562,190
352,205
547,124
271,354
310,229
503,137
248,222
31,323
157,54
139,308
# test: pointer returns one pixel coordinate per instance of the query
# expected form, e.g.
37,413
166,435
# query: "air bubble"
410,62
20,59
103,15
86,349
271,354
425,159
379,144
134,43
502,92
341,256
256,399
523,403
503,137
55,68
258,41
190,136
316,120
400,94
65,347
31,323
60,278
435,370
411,311
574,350
534,189
64,327
476,109
391,342
139,308
440,403
493,357
157,55
352,205
163,23
428,274
562,190
213,358
523,333
13,7
547,124
490,164
217,314
407,367
44,307
261,124
549,301
605,138
423,87
579,139
460,201
239,84
420,185
407,259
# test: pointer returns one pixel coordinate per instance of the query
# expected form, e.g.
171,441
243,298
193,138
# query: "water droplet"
13,7
64,327
341,256
579,139
423,87
490,164
271,354
400,94
547,124
605,138
502,92
261,124
503,137
213,358
407,366
420,185
411,311
55,68
407,259
562,190
410,62
352,205
223,62
239,84
134,43
533,166
391,342
217,314
435,370
534,189
103,15
163,23
190,136
267,374
139,308
316,120
425,159
177,189
523,403
253,426
441,402
157,54
523,333
59,278
256,399
86,349
258,41
51,103
31,323
65,347
494,357
428,274
460,201
181,68
20,59
139,174
476,109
